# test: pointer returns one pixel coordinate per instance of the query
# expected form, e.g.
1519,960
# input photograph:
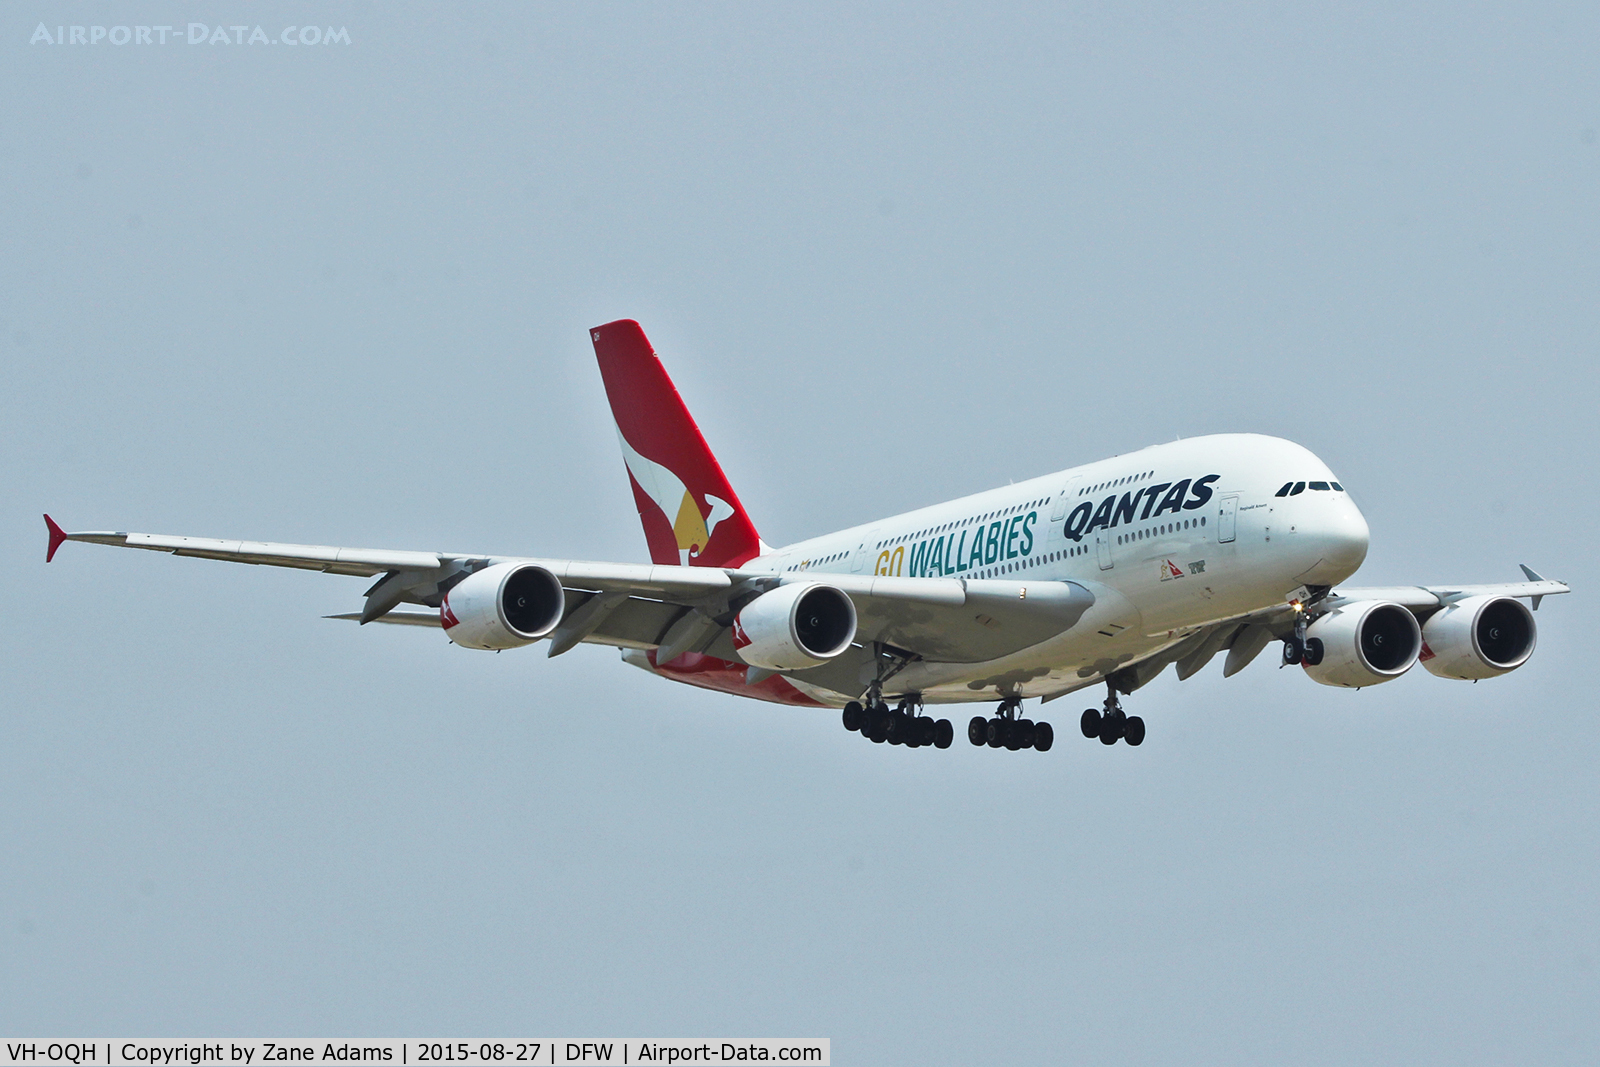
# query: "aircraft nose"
1342,538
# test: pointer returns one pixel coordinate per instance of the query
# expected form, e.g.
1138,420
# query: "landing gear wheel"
876,726
1044,735
1291,653
852,716
978,730
902,729
1090,723
1013,732
1111,727
927,730
1026,732
943,733
1133,731
996,732
1314,651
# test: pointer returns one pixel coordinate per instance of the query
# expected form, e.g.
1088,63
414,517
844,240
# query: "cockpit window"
1296,488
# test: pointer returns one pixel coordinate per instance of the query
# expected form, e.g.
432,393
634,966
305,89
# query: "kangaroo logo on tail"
691,529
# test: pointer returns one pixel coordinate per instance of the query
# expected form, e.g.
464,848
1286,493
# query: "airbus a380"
1100,575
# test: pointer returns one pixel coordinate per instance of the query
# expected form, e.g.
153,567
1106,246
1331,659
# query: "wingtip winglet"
58,537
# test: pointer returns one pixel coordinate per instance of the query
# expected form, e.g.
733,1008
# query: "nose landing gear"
1112,724
1298,648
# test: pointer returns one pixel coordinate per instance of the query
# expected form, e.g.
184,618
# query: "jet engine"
1362,644
1478,637
504,606
794,627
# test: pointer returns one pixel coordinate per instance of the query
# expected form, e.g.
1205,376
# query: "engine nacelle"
794,627
1478,637
504,606
1364,643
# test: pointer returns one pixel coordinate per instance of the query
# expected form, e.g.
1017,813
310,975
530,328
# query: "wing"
1245,636
673,609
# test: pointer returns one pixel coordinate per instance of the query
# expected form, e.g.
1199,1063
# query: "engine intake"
1364,643
504,606
1478,637
795,626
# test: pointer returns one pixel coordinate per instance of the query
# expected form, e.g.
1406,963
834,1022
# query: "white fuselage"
1168,539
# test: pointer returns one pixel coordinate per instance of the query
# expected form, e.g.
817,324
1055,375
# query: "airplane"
1099,575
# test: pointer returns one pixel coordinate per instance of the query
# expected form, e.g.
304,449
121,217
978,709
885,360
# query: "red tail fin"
691,514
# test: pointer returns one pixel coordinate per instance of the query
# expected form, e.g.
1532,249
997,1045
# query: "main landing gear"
1008,731
1112,724
901,725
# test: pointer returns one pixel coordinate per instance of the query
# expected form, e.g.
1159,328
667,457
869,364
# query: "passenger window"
1299,487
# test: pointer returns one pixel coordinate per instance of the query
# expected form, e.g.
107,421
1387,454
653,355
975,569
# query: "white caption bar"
495,1053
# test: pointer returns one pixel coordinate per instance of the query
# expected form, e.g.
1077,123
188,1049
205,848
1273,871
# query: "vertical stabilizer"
690,513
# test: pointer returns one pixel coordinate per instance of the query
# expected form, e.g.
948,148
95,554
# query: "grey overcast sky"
892,254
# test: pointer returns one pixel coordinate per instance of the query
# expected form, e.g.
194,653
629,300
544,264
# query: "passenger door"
1227,518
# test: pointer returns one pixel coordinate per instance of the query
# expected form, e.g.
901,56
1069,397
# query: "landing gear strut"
1300,648
1112,724
1006,730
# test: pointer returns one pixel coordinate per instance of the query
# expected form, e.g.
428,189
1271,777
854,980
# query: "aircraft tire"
914,734
1044,735
852,716
1090,723
943,734
978,730
927,730
1133,731
996,732
1111,727
1024,730
1314,651
1291,653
